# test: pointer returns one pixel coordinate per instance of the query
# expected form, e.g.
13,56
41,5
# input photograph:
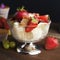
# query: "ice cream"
39,32
4,10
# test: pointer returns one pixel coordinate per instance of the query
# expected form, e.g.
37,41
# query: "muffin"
4,28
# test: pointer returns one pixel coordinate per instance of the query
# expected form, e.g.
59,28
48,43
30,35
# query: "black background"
51,7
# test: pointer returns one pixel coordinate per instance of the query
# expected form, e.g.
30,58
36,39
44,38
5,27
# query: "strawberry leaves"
20,9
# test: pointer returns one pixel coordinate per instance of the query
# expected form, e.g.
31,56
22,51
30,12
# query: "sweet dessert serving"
4,10
29,28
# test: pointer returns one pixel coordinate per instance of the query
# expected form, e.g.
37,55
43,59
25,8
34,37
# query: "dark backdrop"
51,7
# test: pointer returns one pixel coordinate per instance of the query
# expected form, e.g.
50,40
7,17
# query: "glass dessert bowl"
30,29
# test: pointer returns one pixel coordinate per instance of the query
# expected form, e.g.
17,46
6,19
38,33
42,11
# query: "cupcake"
4,10
4,28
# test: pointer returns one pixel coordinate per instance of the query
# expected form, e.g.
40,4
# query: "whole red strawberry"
51,43
21,13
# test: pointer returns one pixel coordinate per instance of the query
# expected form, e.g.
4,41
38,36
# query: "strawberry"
51,43
21,13
43,18
31,25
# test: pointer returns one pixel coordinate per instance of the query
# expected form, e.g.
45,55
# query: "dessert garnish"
51,43
31,25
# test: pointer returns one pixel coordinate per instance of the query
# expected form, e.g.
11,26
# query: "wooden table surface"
11,54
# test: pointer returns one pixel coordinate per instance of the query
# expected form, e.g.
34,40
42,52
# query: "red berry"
31,25
51,43
22,13
3,23
43,18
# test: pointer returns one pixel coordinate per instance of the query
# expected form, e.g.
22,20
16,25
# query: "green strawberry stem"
34,20
20,9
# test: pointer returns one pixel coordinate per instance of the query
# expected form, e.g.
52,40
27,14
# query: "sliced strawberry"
31,25
43,18
51,43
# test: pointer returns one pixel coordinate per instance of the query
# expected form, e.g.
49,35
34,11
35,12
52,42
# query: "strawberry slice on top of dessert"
42,18
31,25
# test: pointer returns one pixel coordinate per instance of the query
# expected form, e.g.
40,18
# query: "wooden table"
11,54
